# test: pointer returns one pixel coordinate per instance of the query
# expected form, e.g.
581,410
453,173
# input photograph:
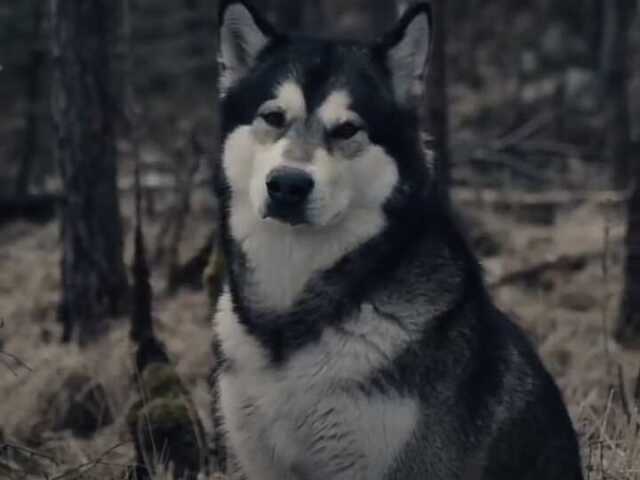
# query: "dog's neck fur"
376,265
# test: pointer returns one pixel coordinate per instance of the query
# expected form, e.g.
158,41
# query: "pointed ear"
243,35
405,51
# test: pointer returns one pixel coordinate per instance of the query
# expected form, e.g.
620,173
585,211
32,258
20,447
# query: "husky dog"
358,338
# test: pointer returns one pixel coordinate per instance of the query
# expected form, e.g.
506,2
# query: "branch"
511,162
500,199
523,132
530,272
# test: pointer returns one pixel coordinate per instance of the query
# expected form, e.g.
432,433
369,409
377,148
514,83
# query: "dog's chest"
309,418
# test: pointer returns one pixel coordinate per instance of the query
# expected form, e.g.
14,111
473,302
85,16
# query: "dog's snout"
289,186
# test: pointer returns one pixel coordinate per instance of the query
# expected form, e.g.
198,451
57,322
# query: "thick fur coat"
357,336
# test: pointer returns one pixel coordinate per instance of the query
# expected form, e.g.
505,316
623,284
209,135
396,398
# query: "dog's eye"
345,131
275,119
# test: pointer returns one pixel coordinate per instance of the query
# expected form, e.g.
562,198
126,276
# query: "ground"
569,311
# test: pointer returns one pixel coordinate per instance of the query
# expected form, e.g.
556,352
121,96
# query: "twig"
550,147
9,367
15,360
82,468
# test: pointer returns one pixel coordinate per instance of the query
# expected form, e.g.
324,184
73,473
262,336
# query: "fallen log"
535,208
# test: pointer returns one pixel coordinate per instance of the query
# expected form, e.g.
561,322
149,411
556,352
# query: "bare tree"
617,18
628,327
85,112
437,113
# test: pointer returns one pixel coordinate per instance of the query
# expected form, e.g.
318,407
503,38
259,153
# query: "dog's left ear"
405,52
244,33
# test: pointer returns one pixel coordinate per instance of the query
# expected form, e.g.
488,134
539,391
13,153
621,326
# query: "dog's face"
317,133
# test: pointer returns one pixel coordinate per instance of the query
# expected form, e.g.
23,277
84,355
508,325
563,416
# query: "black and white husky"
359,341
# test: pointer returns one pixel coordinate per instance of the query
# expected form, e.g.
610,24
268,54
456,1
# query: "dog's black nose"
288,186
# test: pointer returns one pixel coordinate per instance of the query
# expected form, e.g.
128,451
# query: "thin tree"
617,19
85,112
628,327
436,116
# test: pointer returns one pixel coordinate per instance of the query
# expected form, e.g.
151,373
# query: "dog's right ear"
244,33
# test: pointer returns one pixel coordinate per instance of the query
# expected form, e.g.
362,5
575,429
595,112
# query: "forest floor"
565,247
568,310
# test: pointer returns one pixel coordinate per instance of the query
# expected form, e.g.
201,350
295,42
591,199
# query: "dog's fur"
359,341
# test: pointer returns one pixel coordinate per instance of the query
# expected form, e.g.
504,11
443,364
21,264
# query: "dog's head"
317,131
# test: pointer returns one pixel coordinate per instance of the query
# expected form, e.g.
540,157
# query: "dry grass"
569,314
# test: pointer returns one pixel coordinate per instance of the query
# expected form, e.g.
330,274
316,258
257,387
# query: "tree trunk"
85,112
593,28
198,28
34,101
617,19
628,327
436,114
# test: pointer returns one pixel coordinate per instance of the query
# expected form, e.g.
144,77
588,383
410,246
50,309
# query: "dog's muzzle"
289,189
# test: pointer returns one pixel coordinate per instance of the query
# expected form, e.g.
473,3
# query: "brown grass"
568,314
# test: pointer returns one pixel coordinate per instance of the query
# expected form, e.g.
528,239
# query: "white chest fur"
308,419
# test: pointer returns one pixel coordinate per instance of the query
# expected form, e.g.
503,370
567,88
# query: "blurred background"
533,115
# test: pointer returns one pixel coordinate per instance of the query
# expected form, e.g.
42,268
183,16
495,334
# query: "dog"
357,335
